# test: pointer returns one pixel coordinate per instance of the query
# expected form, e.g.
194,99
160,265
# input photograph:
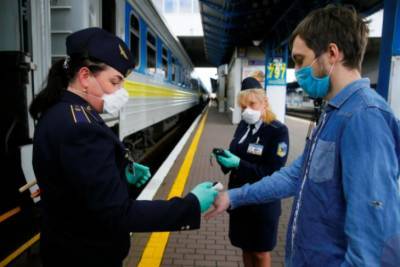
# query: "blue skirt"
255,227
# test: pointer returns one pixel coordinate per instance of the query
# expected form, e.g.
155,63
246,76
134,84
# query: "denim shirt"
346,209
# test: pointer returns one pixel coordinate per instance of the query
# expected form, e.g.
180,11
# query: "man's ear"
84,76
334,54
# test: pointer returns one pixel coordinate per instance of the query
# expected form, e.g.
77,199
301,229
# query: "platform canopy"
240,23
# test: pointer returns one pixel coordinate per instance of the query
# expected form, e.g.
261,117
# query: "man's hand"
221,204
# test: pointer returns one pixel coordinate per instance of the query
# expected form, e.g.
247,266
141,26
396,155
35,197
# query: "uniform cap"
250,83
101,45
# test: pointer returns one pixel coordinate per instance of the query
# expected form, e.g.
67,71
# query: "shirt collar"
257,126
348,91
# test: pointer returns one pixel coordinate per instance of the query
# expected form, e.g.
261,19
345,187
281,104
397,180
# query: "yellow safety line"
9,214
20,250
154,250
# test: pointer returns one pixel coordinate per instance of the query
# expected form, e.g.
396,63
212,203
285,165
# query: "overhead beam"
194,46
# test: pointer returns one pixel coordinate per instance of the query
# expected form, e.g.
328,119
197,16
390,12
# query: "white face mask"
115,101
251,116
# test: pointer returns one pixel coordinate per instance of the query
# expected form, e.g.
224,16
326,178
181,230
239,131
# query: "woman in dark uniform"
259,148
82,167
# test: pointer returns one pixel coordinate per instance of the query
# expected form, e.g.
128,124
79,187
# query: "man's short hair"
335,24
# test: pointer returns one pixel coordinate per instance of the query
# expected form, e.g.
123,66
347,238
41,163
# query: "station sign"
276,71
254,68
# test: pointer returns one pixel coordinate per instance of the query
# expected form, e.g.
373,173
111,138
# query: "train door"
18,219
108,17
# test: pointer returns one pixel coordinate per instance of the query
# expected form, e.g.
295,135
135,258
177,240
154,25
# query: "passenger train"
33,36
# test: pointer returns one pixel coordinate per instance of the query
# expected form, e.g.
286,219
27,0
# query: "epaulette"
276,124
79,114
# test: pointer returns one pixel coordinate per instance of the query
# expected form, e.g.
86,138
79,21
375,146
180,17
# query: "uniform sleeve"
89,162
236,136
225,170
370,182
273,160
281,184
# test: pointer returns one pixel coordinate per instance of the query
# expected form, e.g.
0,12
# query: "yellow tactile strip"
155,247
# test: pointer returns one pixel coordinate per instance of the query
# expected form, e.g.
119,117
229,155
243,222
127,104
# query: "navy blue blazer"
86,208
274,138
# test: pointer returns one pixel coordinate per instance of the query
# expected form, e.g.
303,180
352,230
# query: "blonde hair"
258,75
268,116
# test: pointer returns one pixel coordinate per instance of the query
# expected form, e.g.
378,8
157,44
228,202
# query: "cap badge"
122,52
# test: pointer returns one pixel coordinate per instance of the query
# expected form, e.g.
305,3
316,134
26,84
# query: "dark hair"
335,24
61,73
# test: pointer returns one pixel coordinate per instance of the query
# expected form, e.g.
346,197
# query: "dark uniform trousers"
87,212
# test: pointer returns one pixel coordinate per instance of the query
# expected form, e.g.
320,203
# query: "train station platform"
210,245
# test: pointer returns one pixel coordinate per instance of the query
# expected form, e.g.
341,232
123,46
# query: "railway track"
302,113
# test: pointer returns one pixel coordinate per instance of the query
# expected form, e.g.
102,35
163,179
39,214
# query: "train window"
165,61
173,70
182,81
187,78
151,53
134,38
177,72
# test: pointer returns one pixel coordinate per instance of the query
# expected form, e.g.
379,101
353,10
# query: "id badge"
255,149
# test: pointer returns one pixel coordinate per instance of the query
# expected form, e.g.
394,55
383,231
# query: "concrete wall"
233,88
222,85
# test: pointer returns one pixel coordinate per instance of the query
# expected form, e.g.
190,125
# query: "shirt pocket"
323,160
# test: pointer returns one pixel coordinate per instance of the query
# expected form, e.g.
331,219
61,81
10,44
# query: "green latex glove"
140,175
205,194
229,160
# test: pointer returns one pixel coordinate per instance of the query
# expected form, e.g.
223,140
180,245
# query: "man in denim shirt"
346,210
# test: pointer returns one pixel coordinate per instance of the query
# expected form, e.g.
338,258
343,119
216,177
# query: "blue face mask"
315,87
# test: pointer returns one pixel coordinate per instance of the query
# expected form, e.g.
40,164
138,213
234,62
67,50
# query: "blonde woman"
259,148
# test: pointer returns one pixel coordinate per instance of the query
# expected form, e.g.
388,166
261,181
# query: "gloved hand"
139,176
206,194
228,160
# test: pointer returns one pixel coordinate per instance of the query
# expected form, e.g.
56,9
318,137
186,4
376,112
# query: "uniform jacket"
87,211
273,138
